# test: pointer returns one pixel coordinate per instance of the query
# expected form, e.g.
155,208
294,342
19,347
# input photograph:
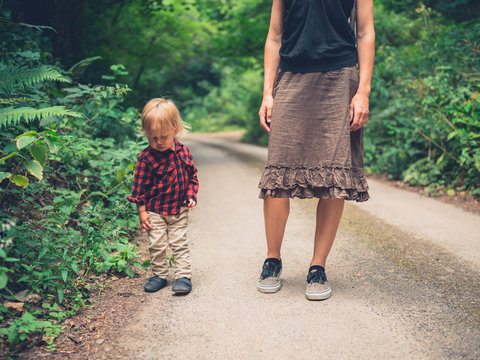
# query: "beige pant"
169,230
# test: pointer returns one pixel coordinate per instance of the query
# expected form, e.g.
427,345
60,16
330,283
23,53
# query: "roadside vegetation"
74,74
68,150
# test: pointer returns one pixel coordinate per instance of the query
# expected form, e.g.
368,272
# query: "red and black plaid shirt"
164,181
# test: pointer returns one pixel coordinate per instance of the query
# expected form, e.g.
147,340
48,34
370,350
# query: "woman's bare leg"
329,213
275,211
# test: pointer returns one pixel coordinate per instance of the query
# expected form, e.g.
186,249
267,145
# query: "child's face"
162,141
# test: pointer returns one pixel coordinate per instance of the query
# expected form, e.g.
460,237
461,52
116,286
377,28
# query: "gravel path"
395,296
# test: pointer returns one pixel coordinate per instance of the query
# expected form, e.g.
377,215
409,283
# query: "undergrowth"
67,154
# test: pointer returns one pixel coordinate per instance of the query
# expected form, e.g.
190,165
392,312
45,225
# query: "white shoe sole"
269,289
318,295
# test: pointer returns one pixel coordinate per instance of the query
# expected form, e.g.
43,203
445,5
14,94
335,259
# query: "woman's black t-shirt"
317,36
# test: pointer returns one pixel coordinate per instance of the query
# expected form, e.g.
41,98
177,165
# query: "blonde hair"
161,115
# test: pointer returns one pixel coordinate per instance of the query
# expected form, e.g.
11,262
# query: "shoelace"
268,269
315,276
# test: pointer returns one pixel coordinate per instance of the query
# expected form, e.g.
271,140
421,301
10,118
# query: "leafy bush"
456,9
424,126
66,166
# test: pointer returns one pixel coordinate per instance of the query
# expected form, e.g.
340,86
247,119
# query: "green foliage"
424,126
68,145
13,78
66,166
20,329
230,105
453,9
244,31
172,49
15,81
13,115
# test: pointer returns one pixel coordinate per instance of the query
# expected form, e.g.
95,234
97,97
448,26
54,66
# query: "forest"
75,74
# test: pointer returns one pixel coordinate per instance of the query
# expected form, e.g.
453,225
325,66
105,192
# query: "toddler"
165,186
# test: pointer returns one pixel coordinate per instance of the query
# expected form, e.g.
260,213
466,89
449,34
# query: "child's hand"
191,203
145,221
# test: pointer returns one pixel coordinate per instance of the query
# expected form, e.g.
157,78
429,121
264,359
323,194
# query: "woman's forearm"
272,47
365,44
271,63
366,55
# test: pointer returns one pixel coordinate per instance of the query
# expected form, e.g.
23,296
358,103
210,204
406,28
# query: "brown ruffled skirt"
311,150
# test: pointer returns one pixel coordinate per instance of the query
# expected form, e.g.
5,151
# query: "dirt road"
394,297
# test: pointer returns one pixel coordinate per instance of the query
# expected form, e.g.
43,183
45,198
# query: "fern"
37,27
19,100
82,64
12,78
11,115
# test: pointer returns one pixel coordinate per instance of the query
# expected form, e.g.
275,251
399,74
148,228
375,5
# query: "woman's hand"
358,111
265,112
145,220
191,203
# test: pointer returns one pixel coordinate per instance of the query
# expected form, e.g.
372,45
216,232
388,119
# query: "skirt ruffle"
326,182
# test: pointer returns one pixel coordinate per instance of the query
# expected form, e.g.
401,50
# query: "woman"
315,103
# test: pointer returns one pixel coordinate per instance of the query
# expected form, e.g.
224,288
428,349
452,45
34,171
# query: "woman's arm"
271,61
366,55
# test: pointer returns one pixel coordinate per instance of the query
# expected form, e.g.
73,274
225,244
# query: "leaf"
3,280
2,160
4,175
64,273
13,115
39,153
24,277
84,63
24,141
121,265
121,174
37,27
15,100
136,264
27,267
48,120
29,55
60,295
20,180
42,253
97,193
129,272
452,135
34,168
51,144
48,207
74,267
27,317
13,78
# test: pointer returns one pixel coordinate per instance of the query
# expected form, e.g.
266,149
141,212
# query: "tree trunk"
69,26
142,66
117,13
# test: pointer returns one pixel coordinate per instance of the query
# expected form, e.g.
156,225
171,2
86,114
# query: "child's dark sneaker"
182,286
317,284
155,283
269,281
